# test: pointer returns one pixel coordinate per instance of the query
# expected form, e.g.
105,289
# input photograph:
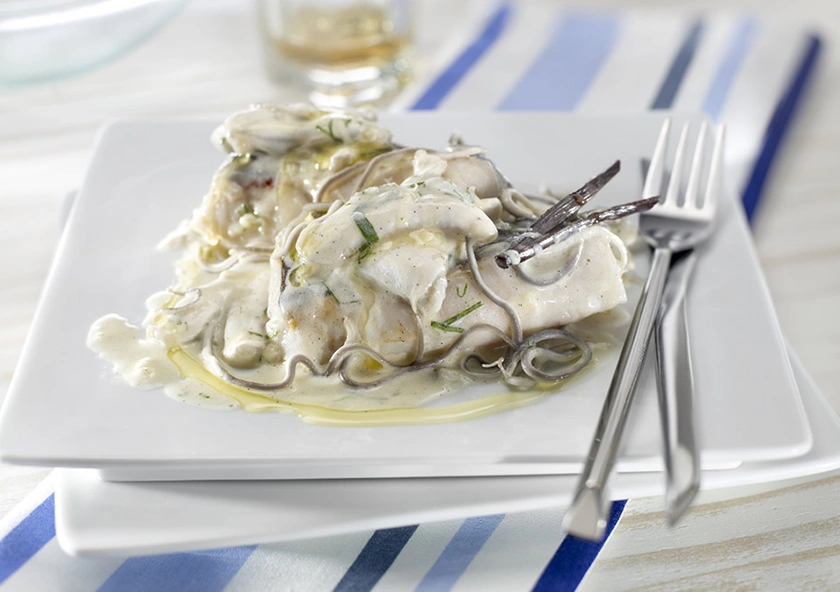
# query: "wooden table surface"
207,62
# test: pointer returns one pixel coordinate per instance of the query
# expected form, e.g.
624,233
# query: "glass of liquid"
344,52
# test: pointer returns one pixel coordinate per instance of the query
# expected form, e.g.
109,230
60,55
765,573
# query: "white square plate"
65,409
95,517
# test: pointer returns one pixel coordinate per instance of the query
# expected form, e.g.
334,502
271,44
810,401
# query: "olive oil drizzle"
255,402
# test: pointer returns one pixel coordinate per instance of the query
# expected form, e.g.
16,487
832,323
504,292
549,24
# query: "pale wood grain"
785,539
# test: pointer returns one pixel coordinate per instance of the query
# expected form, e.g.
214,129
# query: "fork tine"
673,194
692,189
715,184
656,170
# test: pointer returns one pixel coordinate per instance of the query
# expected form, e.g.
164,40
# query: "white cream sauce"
139,362
194,392
268,276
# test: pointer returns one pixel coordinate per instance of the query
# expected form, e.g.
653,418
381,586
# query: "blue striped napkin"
746,71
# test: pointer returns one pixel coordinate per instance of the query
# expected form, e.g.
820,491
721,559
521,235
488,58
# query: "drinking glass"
344,52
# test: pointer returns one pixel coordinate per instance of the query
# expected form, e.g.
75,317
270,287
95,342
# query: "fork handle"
587,516
675,383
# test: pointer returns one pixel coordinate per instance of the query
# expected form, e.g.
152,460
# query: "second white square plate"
94,517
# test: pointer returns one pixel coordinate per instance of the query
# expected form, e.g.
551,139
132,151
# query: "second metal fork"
671,226
675,379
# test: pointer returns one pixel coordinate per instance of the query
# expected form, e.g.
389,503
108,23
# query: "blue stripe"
27,538
375,559
779,124
728,69
561,76
459,553
574,557
676,73
441,87
200,571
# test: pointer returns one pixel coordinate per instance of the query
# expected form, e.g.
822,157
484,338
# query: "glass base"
343,87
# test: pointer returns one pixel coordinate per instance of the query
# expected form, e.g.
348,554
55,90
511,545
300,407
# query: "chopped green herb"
366,228
364,252
463,313
243,209
447,324
368,233
271,335
328,131
330,293
444,327
260,335
459,293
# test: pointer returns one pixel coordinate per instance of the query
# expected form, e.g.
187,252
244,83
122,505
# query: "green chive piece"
328,131
330,293
364,252
368,233
444,327
462,314
447,324
366,228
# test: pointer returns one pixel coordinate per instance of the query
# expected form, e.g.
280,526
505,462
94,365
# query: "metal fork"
675,379
671,226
